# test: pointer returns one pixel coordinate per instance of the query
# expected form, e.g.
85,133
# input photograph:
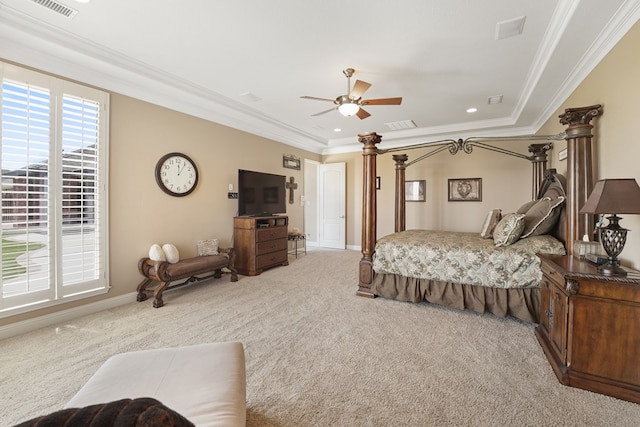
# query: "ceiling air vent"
57,7
404,124
511,28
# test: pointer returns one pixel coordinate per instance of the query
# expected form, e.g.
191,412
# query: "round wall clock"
176,174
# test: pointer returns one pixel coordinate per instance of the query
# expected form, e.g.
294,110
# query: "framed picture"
562,154
377,182
465,190
291,162
415,191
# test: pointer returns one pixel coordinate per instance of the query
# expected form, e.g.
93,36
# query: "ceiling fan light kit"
348,109
351,104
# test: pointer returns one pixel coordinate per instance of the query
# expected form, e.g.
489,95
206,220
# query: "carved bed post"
401,217
369,224
539,165
579,169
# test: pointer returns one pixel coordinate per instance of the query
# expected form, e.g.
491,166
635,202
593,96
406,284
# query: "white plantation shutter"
54,223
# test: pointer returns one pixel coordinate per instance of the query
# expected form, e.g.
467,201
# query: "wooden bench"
189,269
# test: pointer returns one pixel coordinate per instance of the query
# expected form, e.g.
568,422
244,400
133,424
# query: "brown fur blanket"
142,412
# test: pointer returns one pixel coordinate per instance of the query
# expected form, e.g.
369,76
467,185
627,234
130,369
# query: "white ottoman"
205,383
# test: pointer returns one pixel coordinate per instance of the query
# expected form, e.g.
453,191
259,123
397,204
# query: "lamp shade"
613,196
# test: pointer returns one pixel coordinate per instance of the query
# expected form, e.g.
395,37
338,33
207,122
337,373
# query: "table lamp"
613,196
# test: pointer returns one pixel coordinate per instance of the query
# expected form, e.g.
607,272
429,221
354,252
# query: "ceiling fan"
352,103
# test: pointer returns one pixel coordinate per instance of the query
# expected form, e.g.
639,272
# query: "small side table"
296,238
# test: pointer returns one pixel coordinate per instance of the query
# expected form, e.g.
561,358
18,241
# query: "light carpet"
318,355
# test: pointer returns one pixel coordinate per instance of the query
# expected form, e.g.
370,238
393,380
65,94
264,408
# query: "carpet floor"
317,355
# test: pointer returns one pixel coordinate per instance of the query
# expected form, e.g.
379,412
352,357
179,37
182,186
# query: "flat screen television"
261,193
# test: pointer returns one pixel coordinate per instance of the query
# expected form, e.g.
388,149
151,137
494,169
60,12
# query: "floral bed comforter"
464,258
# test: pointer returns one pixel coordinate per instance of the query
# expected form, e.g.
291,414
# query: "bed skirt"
522,303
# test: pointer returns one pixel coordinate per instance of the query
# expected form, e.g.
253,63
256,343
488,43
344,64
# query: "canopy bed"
464,270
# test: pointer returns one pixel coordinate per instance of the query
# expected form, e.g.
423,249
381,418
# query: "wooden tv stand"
260,242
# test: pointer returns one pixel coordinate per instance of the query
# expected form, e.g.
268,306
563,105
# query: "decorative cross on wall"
291,186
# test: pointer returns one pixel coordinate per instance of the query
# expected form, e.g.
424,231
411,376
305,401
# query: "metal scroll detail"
461,145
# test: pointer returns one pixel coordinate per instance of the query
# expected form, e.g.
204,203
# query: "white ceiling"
245,64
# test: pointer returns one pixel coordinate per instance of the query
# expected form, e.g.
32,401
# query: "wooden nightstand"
590,326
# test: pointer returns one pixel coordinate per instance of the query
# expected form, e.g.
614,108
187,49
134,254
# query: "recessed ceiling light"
472,110
337,130
83,1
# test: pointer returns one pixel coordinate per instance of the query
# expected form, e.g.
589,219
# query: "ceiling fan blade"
323,112
318,99
362,114
382,101
359,88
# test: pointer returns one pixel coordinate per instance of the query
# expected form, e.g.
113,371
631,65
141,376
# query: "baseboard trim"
18,328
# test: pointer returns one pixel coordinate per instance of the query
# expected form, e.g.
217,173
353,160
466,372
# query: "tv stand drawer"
270,246
260,243
271,259
271,233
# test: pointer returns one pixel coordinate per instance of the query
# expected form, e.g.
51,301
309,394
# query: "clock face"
176,174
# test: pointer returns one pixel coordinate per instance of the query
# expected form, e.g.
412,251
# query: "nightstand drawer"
588,326
552,273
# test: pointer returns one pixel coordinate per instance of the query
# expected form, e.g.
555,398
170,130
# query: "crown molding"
39,45
31,42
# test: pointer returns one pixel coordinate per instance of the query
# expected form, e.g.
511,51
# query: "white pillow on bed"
509,229
493,217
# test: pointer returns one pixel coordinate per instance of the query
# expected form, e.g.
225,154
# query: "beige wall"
506,184
141,133
141,214
614,83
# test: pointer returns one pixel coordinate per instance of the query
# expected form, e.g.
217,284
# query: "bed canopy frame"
579,178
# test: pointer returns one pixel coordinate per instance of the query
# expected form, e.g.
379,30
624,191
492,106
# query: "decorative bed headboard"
577,186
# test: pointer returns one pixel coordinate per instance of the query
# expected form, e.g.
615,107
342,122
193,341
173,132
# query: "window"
53,153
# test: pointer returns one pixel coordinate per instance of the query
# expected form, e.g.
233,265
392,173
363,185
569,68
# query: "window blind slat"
51,189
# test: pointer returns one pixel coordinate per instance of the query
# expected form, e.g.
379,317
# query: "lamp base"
609,269
613,238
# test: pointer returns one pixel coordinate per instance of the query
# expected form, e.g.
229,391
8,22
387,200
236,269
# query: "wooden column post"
401,216
579,170
539,165
369,224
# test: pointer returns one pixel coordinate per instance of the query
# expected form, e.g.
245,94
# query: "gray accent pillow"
509,229
524,208
542,216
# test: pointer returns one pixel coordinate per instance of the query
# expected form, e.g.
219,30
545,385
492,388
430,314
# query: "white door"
331,188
